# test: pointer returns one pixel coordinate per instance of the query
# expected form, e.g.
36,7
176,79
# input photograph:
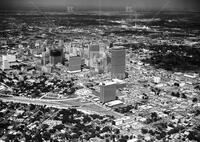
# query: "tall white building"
94,54
9,58
7,61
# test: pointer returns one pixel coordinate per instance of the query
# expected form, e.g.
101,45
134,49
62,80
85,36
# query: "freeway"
31,101
63,104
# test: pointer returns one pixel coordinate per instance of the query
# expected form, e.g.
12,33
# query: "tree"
52,130
176,84
122,140
10,136
4,124
32,107
97,128
154,115
117,131
59,127
184,96
162,134
44,126
74,136
86,119
194,100
105,129
37,137
55,140
113,123
46,136
144,131
126,137
113,137
27,137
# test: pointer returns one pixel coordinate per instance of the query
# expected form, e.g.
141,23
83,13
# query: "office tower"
7,61
67,47
85,55
129,9
5,65
107,92
61,43
108,62
102,63
118,62
48,68
9,58
102,47
73,50
100,66
94,51
82,51
70,9
56,56
75,63
45,58
111,45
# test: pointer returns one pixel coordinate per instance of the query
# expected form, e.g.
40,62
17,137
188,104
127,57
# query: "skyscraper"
94,51
45,58
5,65
102,63
75,63
7,60
56,56
118,62
107,92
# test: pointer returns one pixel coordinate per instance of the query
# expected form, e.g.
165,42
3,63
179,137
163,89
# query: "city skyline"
99,71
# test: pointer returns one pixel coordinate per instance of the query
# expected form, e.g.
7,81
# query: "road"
62,104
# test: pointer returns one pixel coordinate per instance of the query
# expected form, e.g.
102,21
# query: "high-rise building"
48,68
102,63
9,58
5,65
56,56
94,52
102,47
75,63
7,61
108,62
45,58
118,62
107,92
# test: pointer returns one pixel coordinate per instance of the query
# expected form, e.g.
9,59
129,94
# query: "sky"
183,5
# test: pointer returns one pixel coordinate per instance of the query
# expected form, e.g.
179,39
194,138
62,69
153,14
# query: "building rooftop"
94,47
118,47
72,72
118,81
106,83
114,103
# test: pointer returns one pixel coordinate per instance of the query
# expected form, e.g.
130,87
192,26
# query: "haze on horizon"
180,5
